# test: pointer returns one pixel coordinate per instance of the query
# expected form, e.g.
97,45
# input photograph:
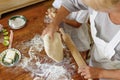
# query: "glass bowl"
17,21
16,59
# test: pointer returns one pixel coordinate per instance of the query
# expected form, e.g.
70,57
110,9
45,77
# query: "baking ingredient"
53,47
9,57
40,65
16,23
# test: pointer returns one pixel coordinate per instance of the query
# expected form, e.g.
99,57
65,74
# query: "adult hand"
90,72
50,29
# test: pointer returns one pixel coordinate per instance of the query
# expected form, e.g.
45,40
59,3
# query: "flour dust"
40,65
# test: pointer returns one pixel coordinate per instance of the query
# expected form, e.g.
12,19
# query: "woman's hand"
90,72
50,29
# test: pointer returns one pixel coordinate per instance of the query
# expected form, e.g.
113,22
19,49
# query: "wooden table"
15,4
35,15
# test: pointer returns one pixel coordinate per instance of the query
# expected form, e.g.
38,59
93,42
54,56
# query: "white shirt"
105,28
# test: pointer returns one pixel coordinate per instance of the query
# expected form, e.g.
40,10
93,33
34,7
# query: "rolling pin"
71,46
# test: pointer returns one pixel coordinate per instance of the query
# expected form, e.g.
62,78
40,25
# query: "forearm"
60,15
72,23
111,74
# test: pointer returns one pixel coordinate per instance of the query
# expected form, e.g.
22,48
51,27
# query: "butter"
10,55
7,60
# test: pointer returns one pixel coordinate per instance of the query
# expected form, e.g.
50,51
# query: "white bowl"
15,61
17,21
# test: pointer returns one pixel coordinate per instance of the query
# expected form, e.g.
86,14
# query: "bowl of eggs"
10,57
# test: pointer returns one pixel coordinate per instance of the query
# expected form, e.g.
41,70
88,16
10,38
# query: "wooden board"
10,5
35,25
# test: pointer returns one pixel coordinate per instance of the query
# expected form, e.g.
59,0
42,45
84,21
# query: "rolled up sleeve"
82,16
74,5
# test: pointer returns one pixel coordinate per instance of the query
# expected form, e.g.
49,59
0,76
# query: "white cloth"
103,51
80,36
57,4
106,29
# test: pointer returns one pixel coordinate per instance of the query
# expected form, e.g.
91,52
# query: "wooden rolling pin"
71,46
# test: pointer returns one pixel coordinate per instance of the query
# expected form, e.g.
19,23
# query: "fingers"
81,69
47,31
50,30
51,35
84,71
44,32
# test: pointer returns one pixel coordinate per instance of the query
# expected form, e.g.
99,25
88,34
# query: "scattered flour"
42,67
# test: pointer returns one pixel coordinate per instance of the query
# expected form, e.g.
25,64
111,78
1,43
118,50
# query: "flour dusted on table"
36,42
43,67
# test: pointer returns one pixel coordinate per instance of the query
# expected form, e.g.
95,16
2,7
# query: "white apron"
103,51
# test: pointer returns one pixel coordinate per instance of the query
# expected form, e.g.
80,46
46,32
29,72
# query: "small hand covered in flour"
90,72
51,27
50,14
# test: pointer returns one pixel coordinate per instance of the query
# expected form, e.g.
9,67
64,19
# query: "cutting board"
10,5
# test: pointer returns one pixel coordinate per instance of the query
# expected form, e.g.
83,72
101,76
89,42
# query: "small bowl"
15,61
17,21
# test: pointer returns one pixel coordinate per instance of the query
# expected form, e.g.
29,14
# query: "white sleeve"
57,4
74,5
82,16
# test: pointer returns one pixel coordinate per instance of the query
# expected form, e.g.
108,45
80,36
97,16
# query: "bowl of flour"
17,21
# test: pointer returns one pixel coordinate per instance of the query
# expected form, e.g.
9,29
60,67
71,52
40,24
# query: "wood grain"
35,15
10,5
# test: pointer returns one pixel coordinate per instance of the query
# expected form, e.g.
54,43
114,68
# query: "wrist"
55,26
103,73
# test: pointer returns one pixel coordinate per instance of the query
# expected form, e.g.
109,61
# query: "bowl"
16,59
17,21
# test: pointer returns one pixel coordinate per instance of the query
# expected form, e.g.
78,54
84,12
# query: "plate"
14,62
17,21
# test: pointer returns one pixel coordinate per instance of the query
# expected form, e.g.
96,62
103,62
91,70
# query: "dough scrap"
54,47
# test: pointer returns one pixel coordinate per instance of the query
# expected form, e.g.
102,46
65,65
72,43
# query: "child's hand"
50,14
90,72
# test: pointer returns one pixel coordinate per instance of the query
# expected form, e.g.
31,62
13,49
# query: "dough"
54,47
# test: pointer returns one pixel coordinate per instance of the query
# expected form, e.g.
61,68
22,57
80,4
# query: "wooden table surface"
35,15
15,4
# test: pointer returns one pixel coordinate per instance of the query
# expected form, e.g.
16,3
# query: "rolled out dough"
54,47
